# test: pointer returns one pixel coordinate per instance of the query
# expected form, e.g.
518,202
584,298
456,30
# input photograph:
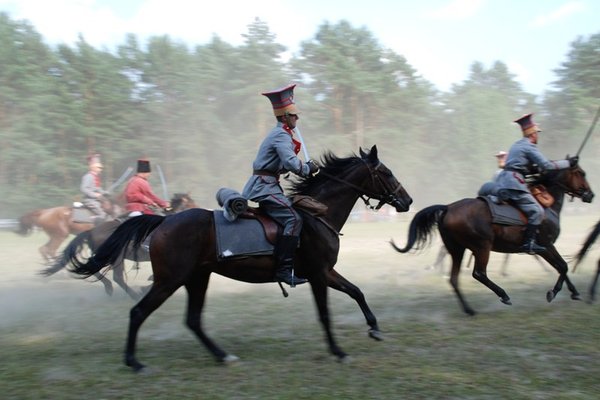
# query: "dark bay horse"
57,223
581,254
183,248
467,224
91,240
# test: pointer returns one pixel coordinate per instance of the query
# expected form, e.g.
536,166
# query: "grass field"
63,338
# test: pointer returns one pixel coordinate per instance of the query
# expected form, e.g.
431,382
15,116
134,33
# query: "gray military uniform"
90,190
276,156
511,181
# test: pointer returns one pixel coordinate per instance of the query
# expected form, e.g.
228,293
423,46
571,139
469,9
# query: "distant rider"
91,187
512,186
138,193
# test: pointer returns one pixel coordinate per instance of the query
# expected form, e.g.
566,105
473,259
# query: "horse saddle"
250,231
506,214
81,214
251,234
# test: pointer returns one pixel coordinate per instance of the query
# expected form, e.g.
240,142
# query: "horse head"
110,206
383,185
577,184
366,177
182,201
571,181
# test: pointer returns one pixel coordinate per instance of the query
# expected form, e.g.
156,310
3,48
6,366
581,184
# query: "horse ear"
373,154
362,153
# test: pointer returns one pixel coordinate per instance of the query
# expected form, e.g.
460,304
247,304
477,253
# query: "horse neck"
339,199
559,197
339,207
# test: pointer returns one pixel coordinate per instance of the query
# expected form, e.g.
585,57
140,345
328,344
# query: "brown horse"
93,238
581,254
57,223
467,224
183,248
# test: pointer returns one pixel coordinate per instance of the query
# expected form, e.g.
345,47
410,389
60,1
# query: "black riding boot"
284,253
529,245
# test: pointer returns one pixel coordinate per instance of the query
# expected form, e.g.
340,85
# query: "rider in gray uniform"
277,155
511,184
91,188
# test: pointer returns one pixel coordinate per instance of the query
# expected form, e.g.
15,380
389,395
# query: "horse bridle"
387,198
579,193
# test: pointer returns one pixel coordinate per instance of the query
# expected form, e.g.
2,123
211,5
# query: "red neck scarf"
297,144
97,180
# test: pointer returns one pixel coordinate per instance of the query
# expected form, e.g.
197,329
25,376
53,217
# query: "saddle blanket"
506,214
82,215
243,237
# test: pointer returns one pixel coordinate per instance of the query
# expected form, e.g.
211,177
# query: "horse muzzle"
587,197
402,205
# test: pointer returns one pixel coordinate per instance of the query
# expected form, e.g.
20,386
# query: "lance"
120,180
163,182
304,149
589,132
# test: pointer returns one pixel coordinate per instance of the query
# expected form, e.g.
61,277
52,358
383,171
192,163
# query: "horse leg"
196,287
48,250
119,277
338,282
439,261
457,254
482,257
319,290
551,255
108,287
593,285
138,314
504,267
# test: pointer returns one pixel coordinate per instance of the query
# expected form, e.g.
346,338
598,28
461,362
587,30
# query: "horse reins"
365,195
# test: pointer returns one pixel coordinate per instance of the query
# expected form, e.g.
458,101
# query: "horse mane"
178,199
331,165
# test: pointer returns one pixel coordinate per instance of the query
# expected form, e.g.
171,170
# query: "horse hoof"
230,359
506,301
550,296
470,312
345,359
136,366
576,296
376,334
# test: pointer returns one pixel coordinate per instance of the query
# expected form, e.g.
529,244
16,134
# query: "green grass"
62,338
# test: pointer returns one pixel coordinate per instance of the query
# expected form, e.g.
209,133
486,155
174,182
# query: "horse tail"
70,253
27,223
586,246
130,234
420,227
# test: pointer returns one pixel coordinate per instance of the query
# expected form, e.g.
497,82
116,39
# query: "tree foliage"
198,113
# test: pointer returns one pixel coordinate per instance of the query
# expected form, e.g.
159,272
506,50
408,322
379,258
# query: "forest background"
198,113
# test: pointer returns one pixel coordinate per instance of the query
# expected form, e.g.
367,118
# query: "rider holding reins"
277,155
520,161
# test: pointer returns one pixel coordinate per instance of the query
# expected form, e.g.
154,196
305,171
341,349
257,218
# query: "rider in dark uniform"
278,155
511,184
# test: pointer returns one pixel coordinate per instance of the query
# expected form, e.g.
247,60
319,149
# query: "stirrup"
288,277
532,247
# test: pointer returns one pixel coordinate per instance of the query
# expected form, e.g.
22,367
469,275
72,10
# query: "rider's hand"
573,161
313,167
